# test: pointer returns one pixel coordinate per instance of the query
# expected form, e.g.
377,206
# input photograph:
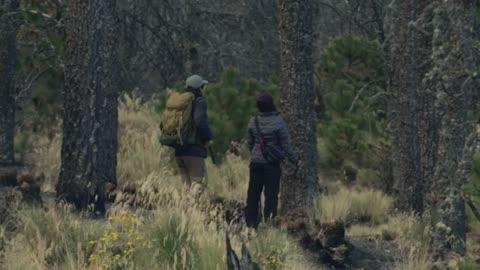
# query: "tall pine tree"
8,25
455,69
299,187
408,48
90,120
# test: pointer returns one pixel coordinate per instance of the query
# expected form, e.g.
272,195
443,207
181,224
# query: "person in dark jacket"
265,175
191,157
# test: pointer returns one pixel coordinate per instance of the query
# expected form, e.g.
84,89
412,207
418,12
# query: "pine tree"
89,145
351,82
231,103
455,69
408,50
8,26
298,188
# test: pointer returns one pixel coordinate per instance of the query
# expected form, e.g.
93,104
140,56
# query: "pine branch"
360,93
473,207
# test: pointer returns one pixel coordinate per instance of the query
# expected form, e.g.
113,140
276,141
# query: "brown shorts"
192,170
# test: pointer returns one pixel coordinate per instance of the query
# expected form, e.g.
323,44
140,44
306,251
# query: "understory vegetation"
174,234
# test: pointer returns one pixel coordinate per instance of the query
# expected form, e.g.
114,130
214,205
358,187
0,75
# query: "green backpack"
177,126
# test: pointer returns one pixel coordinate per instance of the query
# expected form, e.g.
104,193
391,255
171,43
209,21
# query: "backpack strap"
259,131
261,137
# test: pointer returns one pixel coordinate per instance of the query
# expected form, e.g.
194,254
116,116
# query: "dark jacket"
202,130
274,130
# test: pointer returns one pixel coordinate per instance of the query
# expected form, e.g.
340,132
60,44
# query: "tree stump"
8,177
326,240
10,199
23,181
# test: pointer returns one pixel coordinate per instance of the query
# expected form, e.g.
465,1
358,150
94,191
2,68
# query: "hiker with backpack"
185,128
269,144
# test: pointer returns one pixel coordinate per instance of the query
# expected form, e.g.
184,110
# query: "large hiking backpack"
177,126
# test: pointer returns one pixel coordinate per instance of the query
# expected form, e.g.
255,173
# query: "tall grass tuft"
47,159
354,205
275,250
52,239
411,236
140,152
230,180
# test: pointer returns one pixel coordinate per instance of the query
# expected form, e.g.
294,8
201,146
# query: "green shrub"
179,240
40,66
370,178
351,82
473,187
22,146
171,240
231,103
274,250
468,264
118,242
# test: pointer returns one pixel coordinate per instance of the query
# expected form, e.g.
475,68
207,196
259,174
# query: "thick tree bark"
400,85
411,110
422,97
428,123
90,122
8,26
455,67
298,188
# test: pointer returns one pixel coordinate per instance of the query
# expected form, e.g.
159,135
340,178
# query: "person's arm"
284,139
200,119
251,137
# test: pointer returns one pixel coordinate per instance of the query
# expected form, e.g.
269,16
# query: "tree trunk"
90,122
8,27
422,109
403,160
298,188
408,51
428,125
455,65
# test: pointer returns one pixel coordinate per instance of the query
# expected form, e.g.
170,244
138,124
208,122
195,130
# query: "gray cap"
195,82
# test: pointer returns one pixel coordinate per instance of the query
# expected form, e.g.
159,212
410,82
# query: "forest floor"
171,234
368,252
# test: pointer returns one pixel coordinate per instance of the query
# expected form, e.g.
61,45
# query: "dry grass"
413,238
274,249
53,239
47,159
230,180
140,152
178,234
354,205
410,235
174,236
